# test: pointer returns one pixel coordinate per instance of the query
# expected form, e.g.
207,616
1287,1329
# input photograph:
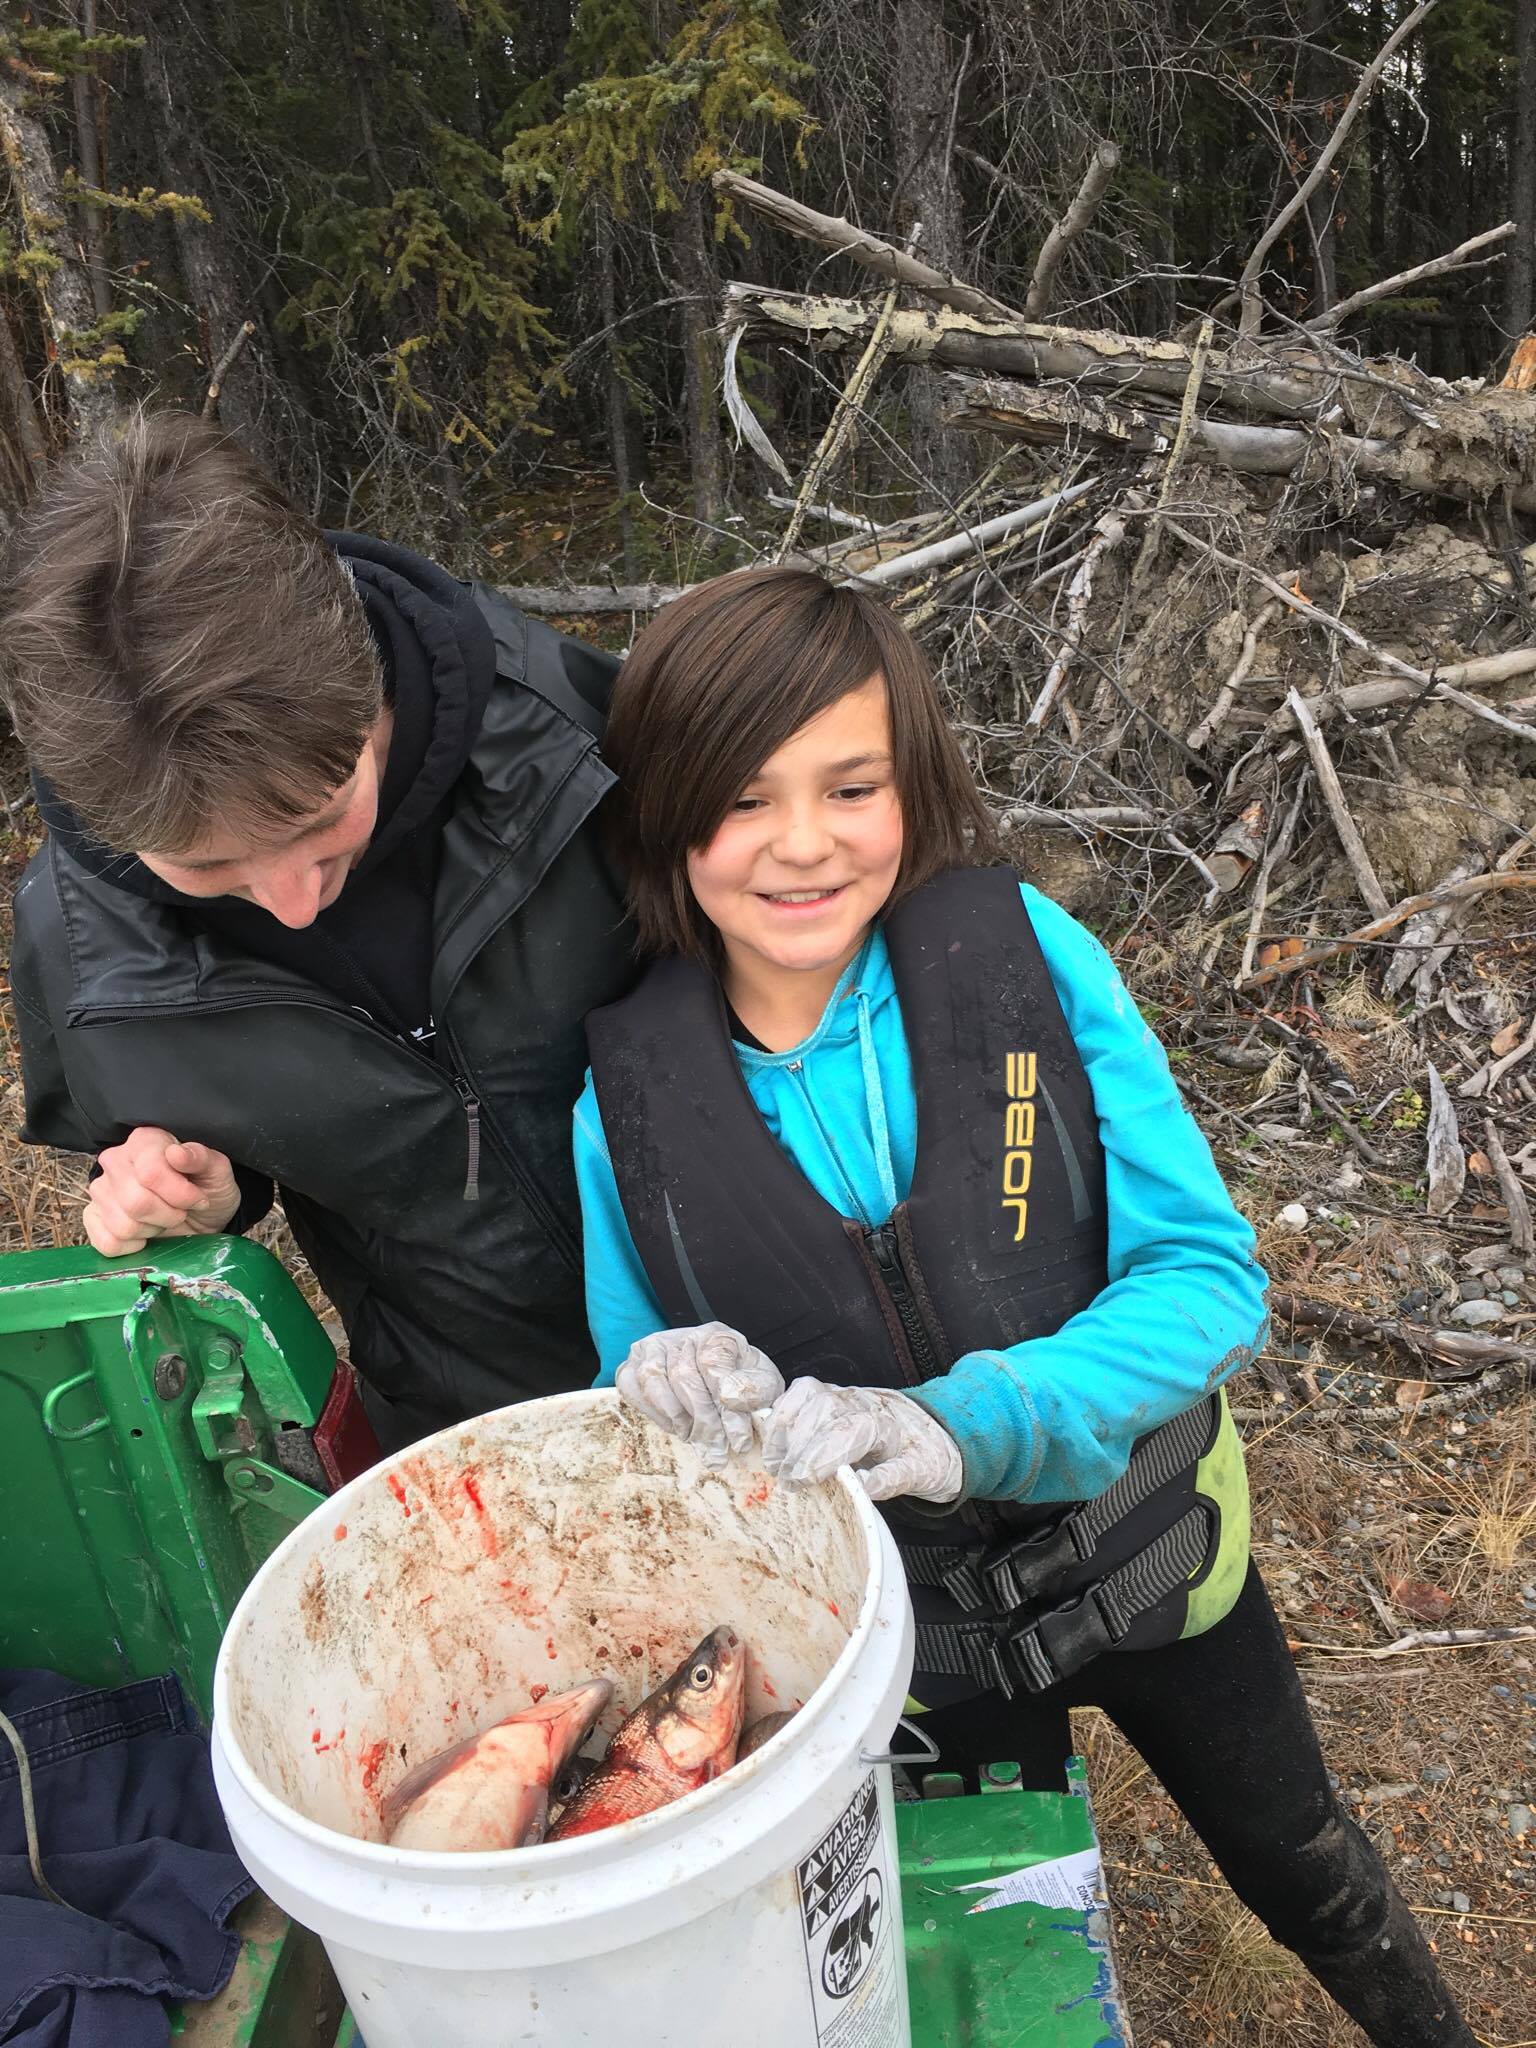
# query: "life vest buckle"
1029,1569
1058,1643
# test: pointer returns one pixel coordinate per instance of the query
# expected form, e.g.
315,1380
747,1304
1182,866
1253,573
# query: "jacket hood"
439,661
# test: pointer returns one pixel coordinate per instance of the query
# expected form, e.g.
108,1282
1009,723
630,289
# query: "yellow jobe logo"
1019,1139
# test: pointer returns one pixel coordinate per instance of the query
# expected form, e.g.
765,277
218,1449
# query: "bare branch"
846,412
954,545
582,599
1521,1234
1107,535
1366,879
1430,899
1248,282
1226,696
870,250
1453,259
1102,166
223,367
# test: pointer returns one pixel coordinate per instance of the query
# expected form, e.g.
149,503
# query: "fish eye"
701,1675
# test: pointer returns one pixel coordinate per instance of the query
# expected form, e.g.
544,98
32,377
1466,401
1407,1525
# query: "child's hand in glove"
895,1446
702,1383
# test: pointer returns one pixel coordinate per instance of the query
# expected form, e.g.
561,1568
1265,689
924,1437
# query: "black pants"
1222,1722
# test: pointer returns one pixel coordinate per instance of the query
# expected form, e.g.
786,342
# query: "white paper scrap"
1074,1882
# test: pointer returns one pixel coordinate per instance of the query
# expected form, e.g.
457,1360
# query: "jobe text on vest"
1019,1139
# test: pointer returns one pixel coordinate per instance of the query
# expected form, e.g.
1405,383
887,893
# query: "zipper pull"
472,1117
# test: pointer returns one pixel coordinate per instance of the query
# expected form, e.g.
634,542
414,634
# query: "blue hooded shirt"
1053,1418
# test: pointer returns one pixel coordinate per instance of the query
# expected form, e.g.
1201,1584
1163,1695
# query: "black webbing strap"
952,1570
1060,1642
1009,1578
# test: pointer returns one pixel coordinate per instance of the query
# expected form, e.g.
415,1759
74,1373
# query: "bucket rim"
508,1865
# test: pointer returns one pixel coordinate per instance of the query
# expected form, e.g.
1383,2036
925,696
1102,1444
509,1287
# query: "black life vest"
1001,1238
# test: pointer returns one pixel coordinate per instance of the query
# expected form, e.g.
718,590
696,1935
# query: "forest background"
455,271
477,242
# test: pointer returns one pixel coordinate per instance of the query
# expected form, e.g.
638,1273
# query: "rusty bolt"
170,1374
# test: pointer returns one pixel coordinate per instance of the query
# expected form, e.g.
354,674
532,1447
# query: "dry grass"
1333,1507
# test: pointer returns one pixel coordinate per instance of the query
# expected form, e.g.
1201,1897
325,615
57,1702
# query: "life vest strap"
1030,1568
1053,1646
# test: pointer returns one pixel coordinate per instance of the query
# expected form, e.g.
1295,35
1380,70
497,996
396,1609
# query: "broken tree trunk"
1266,383
923,86
1442,464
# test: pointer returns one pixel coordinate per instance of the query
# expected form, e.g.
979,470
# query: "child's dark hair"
719,681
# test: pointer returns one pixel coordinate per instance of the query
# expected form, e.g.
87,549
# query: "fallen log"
1380,693
592,598
1440,467
1269,383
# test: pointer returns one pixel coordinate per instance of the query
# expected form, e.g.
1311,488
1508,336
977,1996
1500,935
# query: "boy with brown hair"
322,905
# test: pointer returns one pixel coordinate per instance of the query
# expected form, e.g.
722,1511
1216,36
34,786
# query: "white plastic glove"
702,1383
894,1445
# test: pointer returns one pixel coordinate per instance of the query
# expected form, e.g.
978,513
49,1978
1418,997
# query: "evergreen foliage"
462,226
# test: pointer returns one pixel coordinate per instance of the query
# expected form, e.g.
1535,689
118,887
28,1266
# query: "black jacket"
431,1188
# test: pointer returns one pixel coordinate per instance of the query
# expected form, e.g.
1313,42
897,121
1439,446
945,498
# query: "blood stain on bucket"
339,1534
372,1760
536,1693
398,1491
488,1542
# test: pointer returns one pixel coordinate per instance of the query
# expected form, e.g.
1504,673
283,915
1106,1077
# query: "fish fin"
420,1778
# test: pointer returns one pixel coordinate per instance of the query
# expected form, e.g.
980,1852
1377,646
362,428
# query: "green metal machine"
164,1421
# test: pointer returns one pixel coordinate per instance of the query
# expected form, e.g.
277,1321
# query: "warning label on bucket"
847,1901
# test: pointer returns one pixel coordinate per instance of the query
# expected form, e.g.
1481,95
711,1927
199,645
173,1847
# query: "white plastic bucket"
536,1547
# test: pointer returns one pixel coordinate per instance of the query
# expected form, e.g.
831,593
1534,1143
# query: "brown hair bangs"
179,647
719,681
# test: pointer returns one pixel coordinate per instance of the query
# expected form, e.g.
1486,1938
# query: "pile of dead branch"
1237,625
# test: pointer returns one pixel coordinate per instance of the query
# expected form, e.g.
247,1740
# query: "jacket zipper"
563,1239
472,1117
882,1242
978,1516
475,1123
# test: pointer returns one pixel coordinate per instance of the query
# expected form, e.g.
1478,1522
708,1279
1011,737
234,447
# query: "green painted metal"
219,1420
123,1548
277,1491
1010,1976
